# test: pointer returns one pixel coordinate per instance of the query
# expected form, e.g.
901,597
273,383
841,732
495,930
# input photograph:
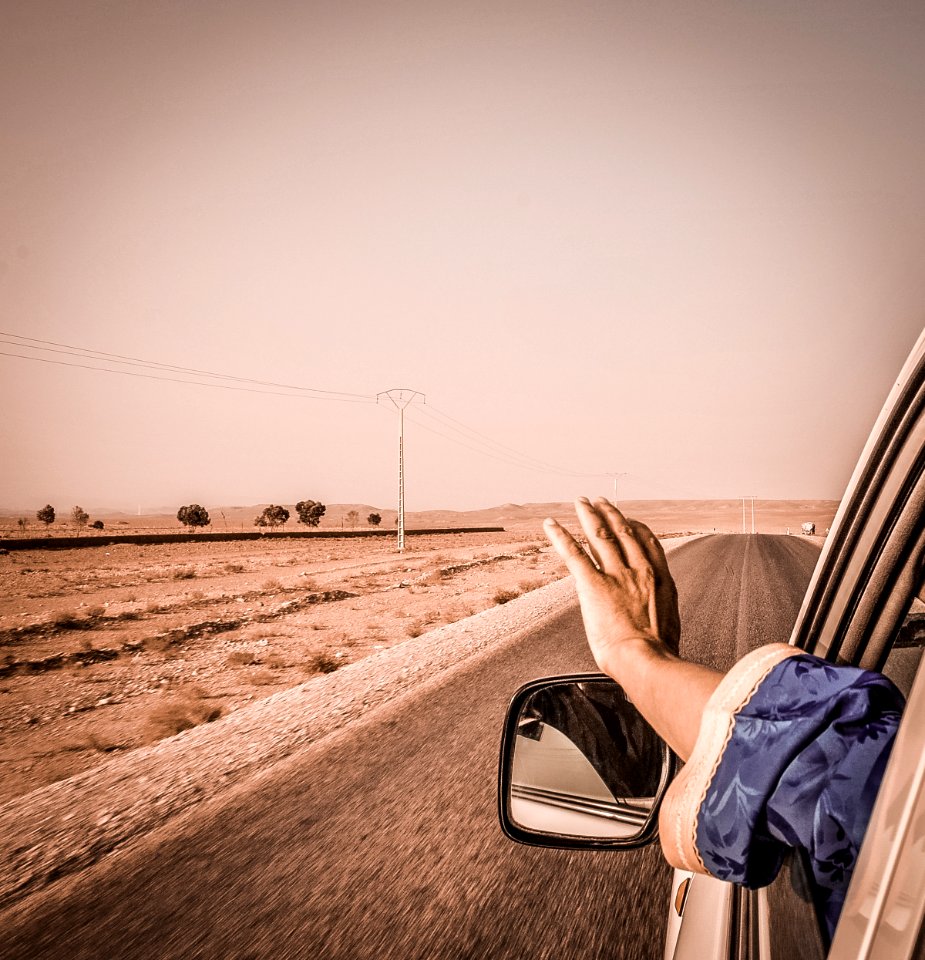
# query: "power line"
502,458
103,356
192,383
465,436
531,462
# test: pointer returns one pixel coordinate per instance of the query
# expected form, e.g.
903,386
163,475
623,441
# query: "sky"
678,241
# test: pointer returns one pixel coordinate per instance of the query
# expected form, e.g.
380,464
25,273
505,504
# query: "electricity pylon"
401,398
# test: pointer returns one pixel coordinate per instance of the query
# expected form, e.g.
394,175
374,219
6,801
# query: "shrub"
504,596
323,663
234,568
271,586
65,620
183,713
415,628
525,586
184,573
97,525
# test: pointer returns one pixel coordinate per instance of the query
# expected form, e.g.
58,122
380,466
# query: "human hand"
624,587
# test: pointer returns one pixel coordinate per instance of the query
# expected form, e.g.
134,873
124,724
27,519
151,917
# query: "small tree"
46,515
374,519
97,524
310,512
272,516
22,523
80,517
193,516
352,517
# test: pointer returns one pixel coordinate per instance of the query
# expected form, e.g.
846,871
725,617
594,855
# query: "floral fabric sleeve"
791,752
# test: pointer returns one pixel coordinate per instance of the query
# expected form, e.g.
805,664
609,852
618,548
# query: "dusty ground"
106,649
109,648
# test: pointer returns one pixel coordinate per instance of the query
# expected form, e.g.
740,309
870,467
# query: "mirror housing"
580,767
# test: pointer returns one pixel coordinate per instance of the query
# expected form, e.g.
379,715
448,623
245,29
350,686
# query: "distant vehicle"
858,610
808,529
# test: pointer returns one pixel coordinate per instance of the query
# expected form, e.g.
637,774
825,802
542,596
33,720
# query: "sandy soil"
109,648
105,649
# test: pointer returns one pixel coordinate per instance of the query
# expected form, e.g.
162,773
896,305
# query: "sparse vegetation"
66,620
272,516
310,512
505,596
236,633
186,711
526,586
193,516
323,663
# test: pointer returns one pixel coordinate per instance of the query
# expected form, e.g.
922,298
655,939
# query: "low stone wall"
107,540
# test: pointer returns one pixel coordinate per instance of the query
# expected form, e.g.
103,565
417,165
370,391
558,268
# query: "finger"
654,551
579,564
602,541
666,593
624,533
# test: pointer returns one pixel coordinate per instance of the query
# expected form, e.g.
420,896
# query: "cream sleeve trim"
678,816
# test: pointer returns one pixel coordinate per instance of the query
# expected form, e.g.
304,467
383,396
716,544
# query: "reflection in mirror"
585,764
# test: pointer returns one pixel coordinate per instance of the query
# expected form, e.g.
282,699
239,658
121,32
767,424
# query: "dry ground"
106,649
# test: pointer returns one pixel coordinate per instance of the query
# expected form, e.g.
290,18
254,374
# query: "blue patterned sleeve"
802,759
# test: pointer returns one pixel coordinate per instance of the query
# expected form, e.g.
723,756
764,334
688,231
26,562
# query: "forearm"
669,692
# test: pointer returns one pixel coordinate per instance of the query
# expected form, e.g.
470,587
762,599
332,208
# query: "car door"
855,610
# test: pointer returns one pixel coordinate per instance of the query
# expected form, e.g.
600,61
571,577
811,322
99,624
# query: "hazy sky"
680,240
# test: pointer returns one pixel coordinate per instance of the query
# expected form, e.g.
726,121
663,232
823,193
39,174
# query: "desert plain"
107,648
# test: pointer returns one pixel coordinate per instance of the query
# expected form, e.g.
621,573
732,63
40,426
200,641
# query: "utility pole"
401,398
753,514
615,475
743,515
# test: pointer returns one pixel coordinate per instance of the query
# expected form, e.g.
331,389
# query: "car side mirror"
580,766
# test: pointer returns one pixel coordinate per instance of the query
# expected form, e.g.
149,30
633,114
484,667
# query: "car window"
906,653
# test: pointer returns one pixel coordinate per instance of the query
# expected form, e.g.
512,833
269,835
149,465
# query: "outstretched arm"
629,606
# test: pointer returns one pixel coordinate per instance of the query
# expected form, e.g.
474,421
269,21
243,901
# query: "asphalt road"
382,841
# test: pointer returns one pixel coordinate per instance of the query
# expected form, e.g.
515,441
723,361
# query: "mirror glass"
585,763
